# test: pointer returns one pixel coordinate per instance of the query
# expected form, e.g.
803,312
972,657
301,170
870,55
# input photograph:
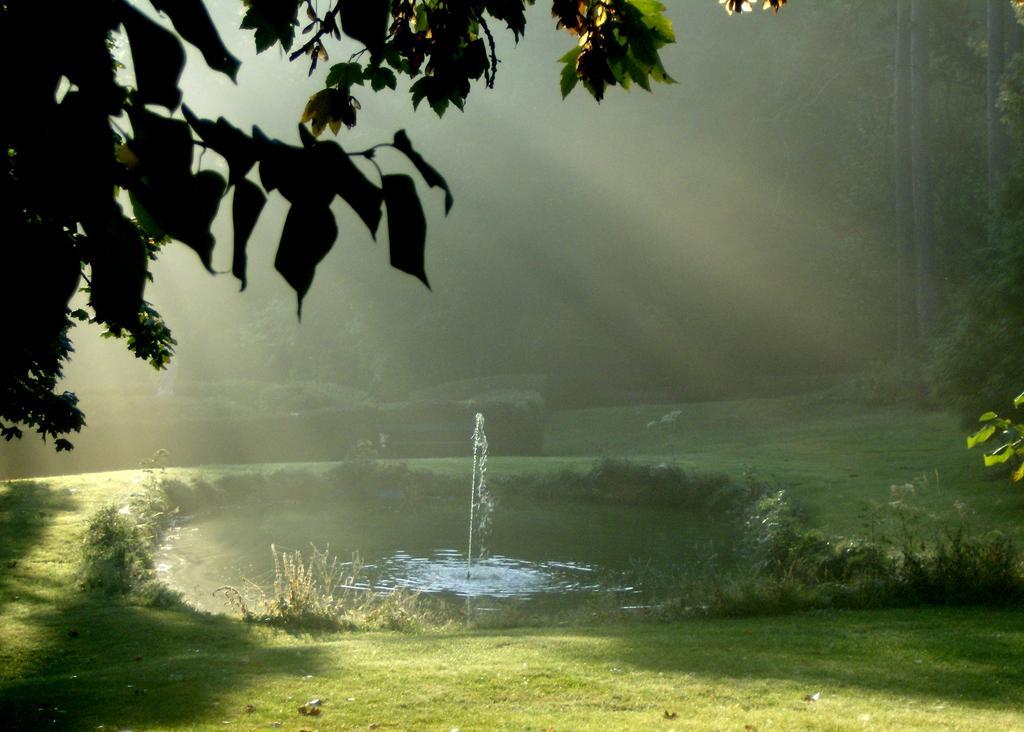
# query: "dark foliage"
61,229
621,482
792,568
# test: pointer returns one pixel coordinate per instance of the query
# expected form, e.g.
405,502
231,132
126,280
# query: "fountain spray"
478,487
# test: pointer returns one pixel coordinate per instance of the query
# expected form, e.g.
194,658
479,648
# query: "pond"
550,551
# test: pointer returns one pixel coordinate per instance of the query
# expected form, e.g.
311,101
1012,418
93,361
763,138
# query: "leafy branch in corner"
1009,434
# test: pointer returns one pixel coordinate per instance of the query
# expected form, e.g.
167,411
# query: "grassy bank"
84,660
835,459
77,660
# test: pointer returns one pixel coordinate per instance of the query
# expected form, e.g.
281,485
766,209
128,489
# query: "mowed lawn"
72,660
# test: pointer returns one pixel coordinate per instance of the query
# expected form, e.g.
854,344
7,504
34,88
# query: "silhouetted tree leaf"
407,227
39,272
430,176
237,148
163,145
510,11
199,209
184,207
367,22
118,262
144,219
246,207
274,22
157,56
78,136
294,171
193,23
309,233
342,177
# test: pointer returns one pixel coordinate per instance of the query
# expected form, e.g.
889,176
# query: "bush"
321,593
962,571
796,569
116,552
624,483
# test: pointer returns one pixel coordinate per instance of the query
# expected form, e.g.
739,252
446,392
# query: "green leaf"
636,74
430,176
439,105
997,456
309,233
988,416
246,207
653,13
381,77
190,19
569,77
419,90
1019,400
157,56
407,227
980,436
345,75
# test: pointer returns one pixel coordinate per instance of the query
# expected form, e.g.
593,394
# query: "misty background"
727,236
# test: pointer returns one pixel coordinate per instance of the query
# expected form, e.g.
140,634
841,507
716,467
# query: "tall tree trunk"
998,144
1014,36
906,258
927,281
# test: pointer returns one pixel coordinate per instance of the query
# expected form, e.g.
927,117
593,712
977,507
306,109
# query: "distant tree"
79,142
978,358
907,344
920,160
998,145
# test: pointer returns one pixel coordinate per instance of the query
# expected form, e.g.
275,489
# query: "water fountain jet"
478,500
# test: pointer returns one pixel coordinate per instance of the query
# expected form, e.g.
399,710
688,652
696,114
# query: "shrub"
621,482
962,571
117,549
323,593
116,552
792,569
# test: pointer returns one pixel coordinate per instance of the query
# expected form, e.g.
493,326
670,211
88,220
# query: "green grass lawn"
76,660
835,459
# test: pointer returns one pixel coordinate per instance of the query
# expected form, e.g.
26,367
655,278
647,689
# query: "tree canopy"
84,143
